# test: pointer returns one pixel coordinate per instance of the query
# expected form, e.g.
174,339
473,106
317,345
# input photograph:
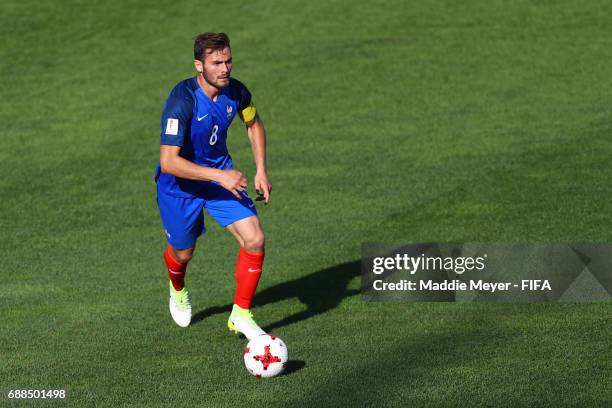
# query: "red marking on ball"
267,358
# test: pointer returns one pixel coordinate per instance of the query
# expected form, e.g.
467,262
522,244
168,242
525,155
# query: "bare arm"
171,163
257,137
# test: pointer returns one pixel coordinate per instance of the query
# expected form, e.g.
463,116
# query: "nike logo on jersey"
254,270
200,118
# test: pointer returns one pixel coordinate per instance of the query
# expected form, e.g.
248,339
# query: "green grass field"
387,121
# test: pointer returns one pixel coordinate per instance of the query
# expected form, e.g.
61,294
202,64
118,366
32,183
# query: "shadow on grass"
293,366
320,291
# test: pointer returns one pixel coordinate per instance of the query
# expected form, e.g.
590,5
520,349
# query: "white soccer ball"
265,356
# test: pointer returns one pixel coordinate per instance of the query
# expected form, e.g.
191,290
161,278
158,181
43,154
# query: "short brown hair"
209,41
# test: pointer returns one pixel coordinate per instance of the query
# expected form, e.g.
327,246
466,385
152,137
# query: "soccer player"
195,172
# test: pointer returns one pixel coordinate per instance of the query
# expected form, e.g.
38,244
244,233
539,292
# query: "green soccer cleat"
241,321
180,307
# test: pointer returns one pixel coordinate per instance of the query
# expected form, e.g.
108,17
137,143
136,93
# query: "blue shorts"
183,218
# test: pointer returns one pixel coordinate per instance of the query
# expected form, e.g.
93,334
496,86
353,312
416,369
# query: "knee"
255,242
182,256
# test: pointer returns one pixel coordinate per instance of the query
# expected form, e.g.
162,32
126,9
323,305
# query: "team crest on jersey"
229,110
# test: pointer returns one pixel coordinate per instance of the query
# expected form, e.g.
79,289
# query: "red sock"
248,272
176,270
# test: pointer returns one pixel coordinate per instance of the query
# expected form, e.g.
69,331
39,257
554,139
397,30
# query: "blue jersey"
199,126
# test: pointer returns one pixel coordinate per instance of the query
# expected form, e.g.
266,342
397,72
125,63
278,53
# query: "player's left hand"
263,185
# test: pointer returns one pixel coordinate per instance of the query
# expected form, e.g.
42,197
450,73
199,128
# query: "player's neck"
209,90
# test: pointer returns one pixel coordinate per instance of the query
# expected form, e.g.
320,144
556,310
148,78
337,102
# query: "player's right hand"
233,181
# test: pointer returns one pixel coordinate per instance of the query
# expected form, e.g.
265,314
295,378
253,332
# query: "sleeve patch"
172,127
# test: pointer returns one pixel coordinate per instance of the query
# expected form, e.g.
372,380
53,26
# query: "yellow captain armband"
248,113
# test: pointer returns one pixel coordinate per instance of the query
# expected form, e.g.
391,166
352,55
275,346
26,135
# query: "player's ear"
199,67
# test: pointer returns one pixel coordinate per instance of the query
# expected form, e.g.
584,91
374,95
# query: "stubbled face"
216,67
